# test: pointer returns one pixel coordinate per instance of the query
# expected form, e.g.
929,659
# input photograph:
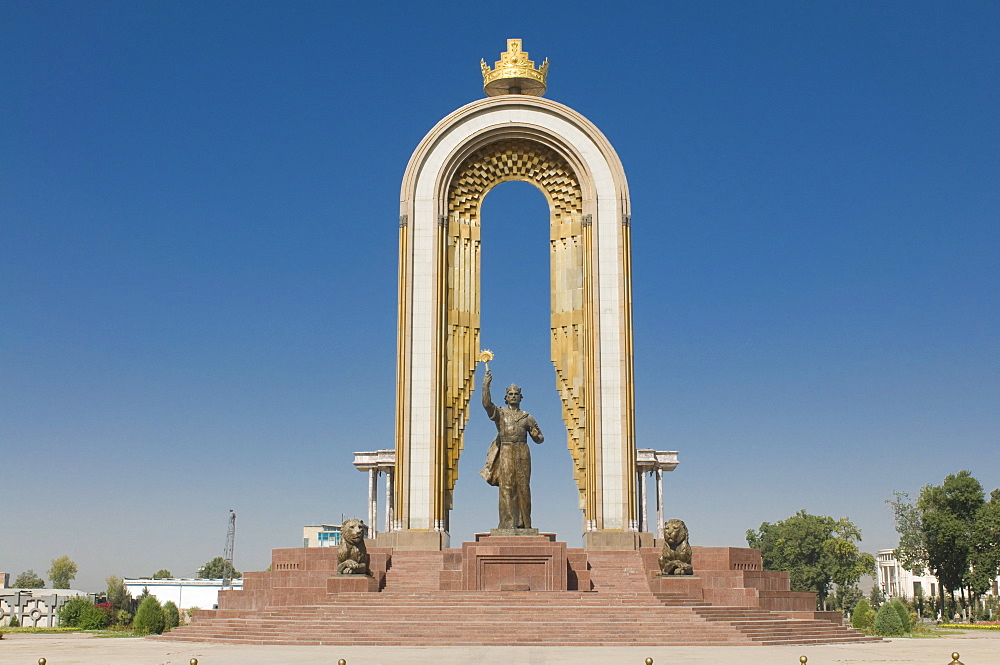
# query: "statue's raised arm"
491,409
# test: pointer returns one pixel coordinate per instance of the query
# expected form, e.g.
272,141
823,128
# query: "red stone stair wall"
418,600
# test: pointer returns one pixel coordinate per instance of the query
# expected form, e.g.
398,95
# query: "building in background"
897,582
185,593
321,535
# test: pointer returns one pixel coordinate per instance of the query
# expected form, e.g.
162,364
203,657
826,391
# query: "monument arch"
511,136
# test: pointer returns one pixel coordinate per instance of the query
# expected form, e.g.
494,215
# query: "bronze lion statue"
352,555
675,559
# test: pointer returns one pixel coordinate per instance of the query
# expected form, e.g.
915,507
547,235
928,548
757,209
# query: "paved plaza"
976,648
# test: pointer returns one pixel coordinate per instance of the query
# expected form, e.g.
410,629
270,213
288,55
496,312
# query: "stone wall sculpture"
31,609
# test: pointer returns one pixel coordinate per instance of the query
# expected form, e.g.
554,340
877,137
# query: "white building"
897,582
321,535
185,593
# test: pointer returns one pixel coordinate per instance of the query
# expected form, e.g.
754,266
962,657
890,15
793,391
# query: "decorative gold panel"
527,161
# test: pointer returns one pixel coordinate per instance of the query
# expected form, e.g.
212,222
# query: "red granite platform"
476,596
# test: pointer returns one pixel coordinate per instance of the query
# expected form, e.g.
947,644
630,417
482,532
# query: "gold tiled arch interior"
540,165
516,159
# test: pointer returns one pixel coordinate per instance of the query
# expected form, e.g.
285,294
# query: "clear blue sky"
198,228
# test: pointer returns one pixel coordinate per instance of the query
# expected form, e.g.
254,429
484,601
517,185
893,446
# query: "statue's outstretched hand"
488,379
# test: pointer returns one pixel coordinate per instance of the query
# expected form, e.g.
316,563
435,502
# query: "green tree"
912,550
940,532
887,622
149,617
171,615
846,597
817,551
985,555
118,596
876,597
903,612
62,572
216,569
72,610
162,574
862,616
29,580
93,618
14,621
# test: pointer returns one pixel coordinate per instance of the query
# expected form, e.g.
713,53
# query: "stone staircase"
414,572
412,609
507,618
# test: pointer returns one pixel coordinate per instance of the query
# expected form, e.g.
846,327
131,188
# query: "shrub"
861,618
171,615
887,623
149,617
123,618
14,623
70,613
93,618
904,614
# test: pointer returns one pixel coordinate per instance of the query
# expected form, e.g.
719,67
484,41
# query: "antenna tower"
227,580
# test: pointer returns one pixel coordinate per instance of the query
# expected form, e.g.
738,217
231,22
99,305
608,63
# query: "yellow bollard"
41,661
954,659
649,661
803,660
341,662
193,661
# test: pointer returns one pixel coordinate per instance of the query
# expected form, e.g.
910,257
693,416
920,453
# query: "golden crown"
514,74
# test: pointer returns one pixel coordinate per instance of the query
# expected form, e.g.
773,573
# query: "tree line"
63,571
952,531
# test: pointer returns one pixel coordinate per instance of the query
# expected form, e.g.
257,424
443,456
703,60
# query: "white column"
372,501
659,502
644,519
388,499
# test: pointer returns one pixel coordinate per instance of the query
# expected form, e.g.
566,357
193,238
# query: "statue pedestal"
514,563
687,585
515,533
351,584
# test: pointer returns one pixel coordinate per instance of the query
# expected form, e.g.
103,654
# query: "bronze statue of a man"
508,462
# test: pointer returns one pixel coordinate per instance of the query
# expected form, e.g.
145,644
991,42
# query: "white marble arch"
423,203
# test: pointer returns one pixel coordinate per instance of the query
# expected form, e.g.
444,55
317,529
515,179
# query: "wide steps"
411,609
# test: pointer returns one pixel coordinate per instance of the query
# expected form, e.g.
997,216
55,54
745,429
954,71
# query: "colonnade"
376,463
648,463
